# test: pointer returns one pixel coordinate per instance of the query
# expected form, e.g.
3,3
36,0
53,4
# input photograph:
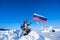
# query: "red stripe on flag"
44,22
36,18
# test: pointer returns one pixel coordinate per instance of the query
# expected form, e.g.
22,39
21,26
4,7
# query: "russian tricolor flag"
40,17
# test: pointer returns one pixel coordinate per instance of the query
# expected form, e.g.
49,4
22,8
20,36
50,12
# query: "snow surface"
16,35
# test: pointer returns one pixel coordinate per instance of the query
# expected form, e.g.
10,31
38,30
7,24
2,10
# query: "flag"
40,18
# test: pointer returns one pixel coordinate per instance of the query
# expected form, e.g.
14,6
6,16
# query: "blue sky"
13,12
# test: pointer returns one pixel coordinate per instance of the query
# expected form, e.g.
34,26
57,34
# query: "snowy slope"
16,35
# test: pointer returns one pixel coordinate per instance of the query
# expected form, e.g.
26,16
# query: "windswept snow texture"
16,35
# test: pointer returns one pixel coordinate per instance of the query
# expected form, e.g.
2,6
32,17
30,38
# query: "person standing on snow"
25,27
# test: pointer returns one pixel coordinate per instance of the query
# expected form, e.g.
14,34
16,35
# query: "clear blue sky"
13,12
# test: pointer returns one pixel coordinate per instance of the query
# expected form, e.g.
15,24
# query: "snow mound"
31,36
16,35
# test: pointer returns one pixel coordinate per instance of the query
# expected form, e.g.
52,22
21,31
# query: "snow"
16,35
31,36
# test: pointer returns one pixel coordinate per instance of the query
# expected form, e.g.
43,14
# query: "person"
25,27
